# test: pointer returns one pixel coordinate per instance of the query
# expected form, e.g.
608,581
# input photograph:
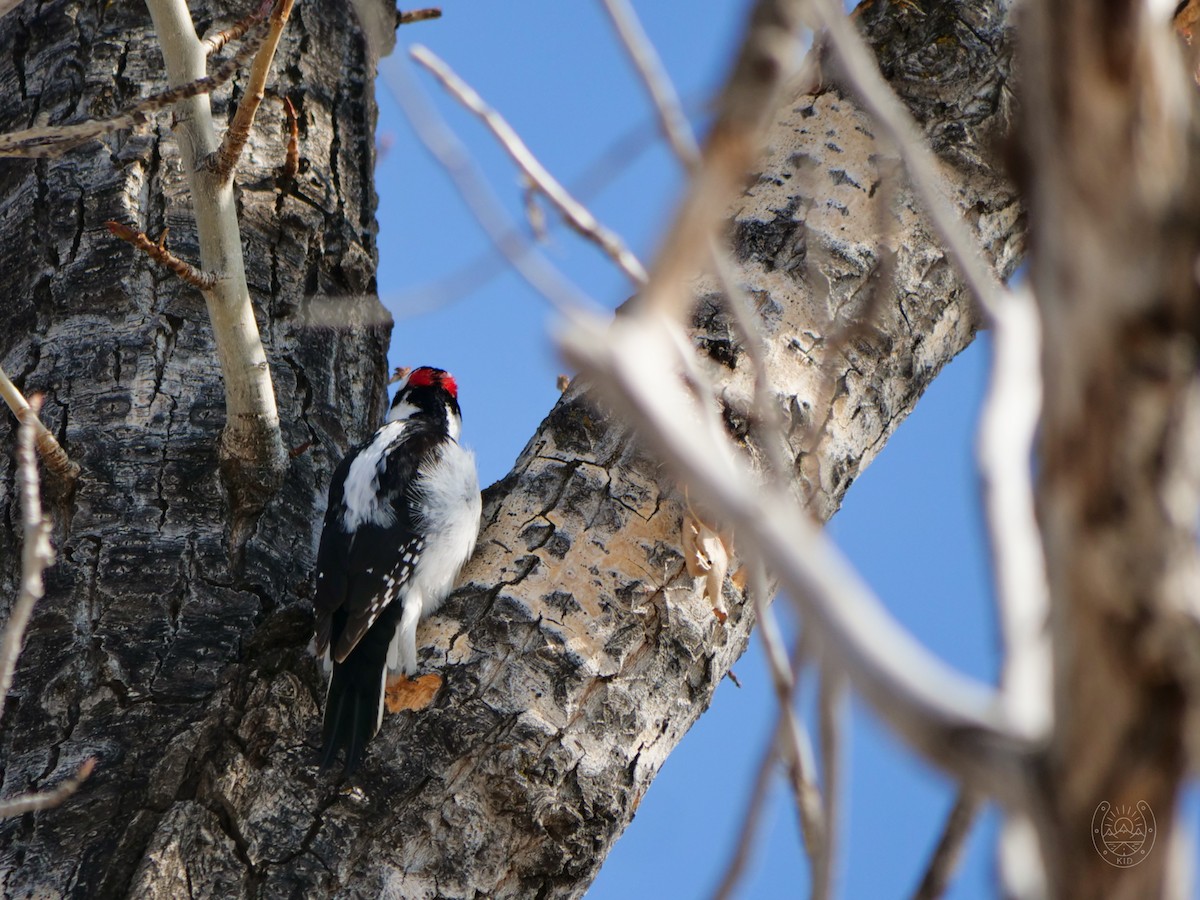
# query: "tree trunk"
579,653
132,655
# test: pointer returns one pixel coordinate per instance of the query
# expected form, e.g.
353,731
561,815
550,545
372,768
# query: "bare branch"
26,803
164,257
575,213
674,123
955,722
831,714
679,135
489,264
793,744
441,142
214,43
226,158
291,164
765,62
36,556
949,848
51,450
48,141
252,454
36,553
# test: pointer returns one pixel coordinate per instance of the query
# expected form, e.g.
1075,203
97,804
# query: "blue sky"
911,522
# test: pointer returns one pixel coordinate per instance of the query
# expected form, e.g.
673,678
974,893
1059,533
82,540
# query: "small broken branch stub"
417,15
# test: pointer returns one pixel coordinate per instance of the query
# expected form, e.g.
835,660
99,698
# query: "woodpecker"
402,520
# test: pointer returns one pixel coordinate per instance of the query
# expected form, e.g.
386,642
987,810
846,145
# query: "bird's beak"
400,374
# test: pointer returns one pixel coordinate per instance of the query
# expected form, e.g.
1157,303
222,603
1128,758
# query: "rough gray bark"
578,655
130,657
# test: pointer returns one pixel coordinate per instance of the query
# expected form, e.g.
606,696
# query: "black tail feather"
352,707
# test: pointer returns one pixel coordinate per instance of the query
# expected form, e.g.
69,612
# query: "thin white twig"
794,745
440,141
642,54
956,722
36,554
26,803
449,289
1005,449
575,213
883,105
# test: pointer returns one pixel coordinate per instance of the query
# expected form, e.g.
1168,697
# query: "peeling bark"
579,652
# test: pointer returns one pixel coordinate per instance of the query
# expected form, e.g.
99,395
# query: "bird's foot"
410,693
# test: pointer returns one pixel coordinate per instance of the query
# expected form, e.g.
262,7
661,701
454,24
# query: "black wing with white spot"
361,573
371,547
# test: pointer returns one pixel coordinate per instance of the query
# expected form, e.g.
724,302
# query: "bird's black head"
427,392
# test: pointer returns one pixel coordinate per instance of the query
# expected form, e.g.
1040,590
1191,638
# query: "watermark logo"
1123,835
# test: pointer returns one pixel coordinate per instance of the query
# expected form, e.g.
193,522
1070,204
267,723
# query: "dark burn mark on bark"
713,331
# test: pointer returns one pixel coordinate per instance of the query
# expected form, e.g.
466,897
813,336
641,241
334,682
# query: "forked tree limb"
224,160
252,455
574,212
